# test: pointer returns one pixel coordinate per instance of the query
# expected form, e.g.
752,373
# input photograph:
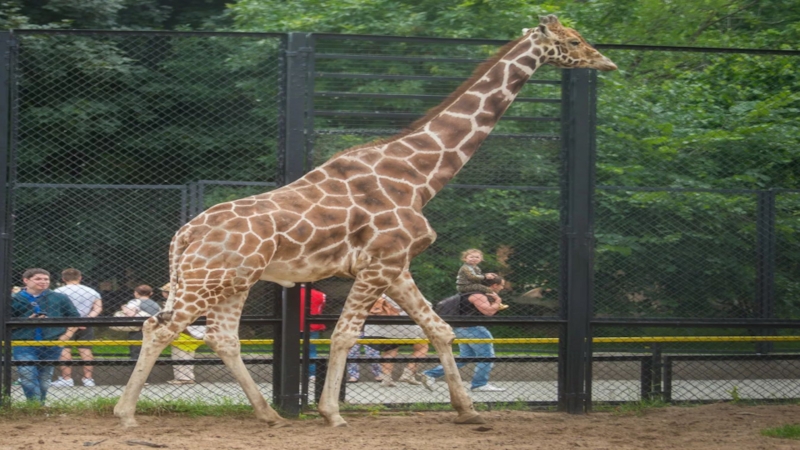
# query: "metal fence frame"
576,322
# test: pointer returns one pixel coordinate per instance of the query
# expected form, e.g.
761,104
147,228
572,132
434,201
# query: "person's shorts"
381,347
84,335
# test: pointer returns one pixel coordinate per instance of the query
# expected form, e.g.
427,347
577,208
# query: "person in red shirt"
317,303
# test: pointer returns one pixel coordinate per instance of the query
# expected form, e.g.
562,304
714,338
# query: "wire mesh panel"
112,132
675,254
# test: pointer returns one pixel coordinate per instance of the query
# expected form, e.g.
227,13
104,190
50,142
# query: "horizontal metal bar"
101,186
388,132
664,48
504,187
325,113
237,183
709,323
378,76
366,57
205,34
740,357
673,189
426,40
419,96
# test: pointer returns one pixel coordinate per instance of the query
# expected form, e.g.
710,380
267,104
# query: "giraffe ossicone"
358,215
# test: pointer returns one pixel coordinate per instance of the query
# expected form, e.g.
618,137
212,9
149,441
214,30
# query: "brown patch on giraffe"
399,193
425,162
385,221
334,187
324,217
284,220
237,225
263,228
522,48
398,169
391,242
323,238
496,104
357,218
398,150
250,243
315,176
345,168
420,245
302,231
244,210
311,193
329,256
233,242
466,104
360,237
209,249
373,202
335,201
527,61
292,202
537,51
364,185
216,235
422,140
224,259
451,130
369,156
489,83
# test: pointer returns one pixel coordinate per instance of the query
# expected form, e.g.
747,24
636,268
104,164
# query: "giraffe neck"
452,132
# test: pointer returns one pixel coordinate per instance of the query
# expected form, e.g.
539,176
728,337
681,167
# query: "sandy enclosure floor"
708,427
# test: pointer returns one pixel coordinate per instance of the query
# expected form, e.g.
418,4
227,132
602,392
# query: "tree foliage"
723,125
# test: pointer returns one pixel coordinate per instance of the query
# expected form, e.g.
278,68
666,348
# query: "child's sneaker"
89,382
408,377
428,382
488,388
388,382
63,382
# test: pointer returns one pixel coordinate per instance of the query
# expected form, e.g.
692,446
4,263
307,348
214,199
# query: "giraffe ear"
544,32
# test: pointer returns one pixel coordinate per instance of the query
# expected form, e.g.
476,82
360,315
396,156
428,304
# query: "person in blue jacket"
37,301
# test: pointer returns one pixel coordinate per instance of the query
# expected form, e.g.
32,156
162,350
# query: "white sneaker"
63,382
89,382
388,382
312,379
487,388
408,377
428,382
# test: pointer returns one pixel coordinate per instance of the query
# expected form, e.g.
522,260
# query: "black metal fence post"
5,210
287,343
765,263
577,242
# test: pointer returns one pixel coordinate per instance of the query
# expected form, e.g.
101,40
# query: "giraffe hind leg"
405,292
222,336
157,334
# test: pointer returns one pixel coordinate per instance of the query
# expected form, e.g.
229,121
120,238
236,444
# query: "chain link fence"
699,222
119,138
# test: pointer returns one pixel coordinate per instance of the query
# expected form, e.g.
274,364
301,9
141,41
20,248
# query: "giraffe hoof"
469,419
128,422
279,424
337,422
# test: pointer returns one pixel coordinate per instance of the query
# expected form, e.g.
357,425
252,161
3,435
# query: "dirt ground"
708,427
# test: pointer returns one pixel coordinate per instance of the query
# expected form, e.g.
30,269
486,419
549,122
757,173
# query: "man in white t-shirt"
89,304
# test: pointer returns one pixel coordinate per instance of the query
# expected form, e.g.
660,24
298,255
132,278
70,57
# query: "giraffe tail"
176,249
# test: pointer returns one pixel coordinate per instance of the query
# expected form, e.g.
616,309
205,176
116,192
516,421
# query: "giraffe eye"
575,43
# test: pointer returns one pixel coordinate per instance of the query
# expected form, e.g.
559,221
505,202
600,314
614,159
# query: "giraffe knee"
347,338
442,337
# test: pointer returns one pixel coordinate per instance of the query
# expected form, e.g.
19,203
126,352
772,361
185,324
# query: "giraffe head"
566,48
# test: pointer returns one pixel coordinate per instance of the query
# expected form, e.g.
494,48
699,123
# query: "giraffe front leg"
156,337
341,342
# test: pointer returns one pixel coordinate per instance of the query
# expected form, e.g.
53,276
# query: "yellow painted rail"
499,341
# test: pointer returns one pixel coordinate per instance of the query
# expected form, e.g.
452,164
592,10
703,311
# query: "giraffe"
358,215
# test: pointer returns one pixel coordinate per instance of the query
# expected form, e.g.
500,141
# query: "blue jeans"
36,379
482,369
312,353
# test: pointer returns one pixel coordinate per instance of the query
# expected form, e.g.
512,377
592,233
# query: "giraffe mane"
433,112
